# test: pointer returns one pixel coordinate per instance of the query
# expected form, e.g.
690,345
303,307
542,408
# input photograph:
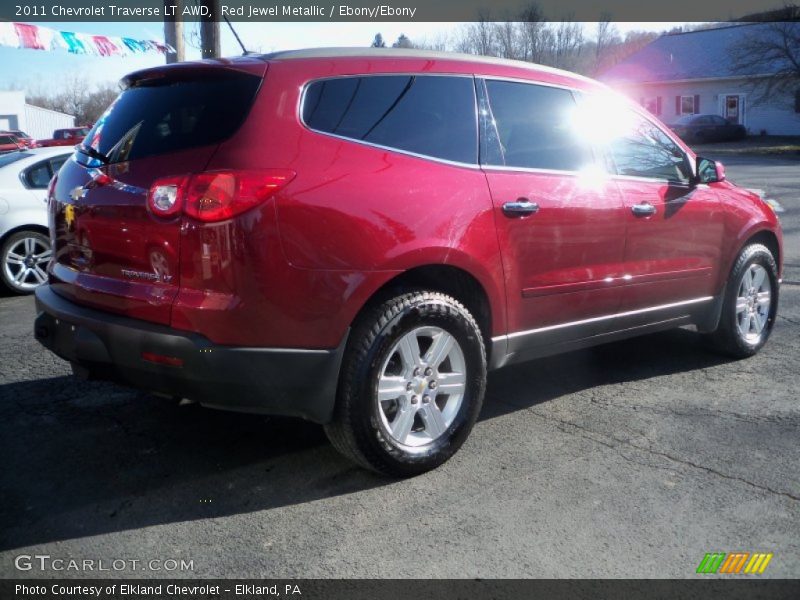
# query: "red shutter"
677,105
697,104
658,105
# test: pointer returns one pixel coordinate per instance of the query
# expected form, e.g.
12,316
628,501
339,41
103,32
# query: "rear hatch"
111,251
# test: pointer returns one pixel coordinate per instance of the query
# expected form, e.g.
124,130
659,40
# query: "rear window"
7,139
159,116
425,114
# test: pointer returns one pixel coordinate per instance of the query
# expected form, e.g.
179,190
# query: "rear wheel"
750,303
24,257
412,385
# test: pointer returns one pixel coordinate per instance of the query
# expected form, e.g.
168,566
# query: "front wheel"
412,384
750,304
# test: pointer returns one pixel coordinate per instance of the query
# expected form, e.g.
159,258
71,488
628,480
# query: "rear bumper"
281,381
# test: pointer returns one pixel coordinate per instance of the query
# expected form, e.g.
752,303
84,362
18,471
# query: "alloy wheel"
25,263
753,303
421,386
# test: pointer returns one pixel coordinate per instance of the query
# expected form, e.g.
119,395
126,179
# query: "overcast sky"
39,71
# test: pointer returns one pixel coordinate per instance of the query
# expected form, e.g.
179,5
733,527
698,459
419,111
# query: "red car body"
23,138
65,137
10,143
202,305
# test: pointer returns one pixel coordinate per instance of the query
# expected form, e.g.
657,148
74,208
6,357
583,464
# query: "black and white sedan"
24,240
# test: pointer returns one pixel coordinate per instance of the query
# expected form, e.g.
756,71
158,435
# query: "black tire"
7,271
727,338
357,429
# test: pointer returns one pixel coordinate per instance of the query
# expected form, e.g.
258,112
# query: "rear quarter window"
165,116
429,115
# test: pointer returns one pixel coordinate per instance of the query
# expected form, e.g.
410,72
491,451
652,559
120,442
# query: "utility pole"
173,30
209,31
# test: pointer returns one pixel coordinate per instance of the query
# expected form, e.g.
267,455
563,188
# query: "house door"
733,108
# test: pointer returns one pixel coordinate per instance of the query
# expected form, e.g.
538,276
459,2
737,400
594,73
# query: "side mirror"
709,171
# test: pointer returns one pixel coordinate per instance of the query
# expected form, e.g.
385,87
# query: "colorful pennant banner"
34,37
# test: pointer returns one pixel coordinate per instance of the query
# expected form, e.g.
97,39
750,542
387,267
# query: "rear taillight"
220,195
215,195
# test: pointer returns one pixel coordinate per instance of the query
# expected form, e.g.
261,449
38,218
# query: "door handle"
643,210
520,208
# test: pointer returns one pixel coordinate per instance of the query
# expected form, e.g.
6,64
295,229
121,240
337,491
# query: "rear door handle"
520,208
643,210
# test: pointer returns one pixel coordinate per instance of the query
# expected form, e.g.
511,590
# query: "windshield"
7,159
686,120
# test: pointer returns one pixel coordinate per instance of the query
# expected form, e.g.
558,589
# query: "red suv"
356,236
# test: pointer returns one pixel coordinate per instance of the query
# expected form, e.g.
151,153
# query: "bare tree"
74,95
403,42
478,38
567,45
769,56
534,33
606,40
507,39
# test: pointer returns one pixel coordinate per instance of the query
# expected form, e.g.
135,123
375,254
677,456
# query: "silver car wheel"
422,386
25,263
753,303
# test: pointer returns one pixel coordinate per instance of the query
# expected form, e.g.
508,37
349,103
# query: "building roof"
703,54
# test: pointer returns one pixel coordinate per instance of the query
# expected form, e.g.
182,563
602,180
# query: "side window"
643,150
38,176
426,114
536,126
55,163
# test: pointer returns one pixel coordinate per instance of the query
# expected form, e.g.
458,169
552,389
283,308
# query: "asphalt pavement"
632,459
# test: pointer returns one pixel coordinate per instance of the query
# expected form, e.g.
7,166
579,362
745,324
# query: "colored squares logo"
734,563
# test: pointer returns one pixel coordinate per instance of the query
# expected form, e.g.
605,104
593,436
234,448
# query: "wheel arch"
30,227
447,279
759,234
770,240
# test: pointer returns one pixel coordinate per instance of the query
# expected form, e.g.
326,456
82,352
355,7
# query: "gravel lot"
629,460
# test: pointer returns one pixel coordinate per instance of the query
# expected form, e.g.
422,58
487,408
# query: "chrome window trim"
562,86
535,170
628,313
301,104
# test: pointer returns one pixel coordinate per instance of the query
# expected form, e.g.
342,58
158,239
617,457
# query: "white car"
24,240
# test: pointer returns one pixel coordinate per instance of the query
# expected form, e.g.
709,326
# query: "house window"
653,104
688,105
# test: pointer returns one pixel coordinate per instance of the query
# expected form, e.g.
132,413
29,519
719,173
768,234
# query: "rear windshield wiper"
88,150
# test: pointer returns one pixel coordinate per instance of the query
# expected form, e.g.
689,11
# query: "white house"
692,73
37,122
